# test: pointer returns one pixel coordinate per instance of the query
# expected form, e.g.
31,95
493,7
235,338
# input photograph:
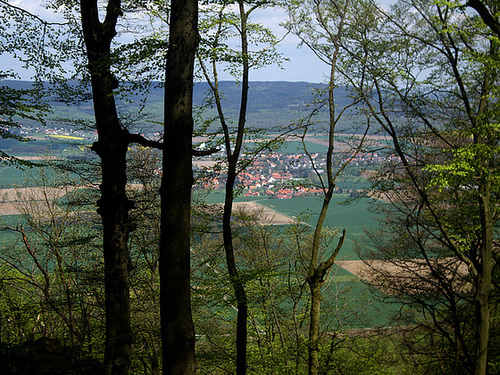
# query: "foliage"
51,274
143,165
46,356
440,112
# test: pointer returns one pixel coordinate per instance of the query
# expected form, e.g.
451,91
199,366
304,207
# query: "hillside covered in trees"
271,104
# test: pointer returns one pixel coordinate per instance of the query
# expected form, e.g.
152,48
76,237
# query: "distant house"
251,193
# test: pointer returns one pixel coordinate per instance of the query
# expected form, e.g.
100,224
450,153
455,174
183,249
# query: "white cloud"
38,8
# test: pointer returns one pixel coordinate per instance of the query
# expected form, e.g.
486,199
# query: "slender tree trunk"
316,279
236,281
177,328
113,206
318,271
232,161
485,262
484,284
314,326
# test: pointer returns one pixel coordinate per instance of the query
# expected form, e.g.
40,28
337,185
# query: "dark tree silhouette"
177,329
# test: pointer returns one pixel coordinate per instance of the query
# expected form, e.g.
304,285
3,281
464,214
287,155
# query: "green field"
358,303
14,177
10,176
344,288
296,147
352,217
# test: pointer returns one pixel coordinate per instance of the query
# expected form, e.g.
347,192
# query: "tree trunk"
485,268
484,284
316,279
177,328
113,206
313,345
318,271
232,161
236,281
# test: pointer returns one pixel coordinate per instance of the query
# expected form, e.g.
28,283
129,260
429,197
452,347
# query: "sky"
303,65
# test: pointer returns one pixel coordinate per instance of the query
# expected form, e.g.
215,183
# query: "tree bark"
177,328
484,283
486,14
235,278
318,272
232,158
113,206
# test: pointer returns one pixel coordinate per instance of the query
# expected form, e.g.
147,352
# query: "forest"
170,221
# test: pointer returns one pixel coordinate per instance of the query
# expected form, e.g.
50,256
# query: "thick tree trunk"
113,206
177,328
486,14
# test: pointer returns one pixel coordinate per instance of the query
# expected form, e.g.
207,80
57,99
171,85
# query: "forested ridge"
157,219
270,103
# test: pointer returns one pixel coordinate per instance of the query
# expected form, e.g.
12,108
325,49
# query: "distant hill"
270,103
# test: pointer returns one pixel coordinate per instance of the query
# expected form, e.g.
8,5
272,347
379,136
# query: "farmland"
357,304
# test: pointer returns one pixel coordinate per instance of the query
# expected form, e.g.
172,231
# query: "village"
283,175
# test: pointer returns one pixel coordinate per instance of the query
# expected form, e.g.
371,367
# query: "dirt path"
405,272
269,216
12,200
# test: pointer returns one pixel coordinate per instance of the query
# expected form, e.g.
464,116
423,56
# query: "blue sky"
302,64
